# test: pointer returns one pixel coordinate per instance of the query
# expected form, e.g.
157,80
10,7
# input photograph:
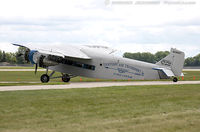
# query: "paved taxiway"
93,85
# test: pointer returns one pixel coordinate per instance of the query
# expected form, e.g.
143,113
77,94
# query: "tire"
44,78
175,79
66,78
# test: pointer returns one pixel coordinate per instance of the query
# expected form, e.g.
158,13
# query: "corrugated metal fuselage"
108,66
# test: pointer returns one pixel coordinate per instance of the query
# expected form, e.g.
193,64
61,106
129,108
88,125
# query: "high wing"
68,51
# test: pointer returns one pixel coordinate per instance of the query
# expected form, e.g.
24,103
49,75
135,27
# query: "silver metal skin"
100,62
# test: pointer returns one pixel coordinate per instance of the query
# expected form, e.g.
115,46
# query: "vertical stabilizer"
174,61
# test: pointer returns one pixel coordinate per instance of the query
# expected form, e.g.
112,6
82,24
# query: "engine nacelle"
45,62
33,56
36,57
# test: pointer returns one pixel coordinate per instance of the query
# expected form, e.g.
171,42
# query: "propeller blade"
36,67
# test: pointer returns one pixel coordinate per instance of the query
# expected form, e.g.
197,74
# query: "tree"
146,56
193,61
189,61
11,58
3,57
20,59
160,55
197,60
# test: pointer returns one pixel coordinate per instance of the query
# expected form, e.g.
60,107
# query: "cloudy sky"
129,25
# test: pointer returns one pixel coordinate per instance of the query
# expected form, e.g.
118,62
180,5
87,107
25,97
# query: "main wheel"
66,78
44,78
175,79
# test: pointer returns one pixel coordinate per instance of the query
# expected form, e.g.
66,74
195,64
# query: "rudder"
175,61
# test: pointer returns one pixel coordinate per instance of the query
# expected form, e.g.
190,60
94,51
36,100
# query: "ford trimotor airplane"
100,62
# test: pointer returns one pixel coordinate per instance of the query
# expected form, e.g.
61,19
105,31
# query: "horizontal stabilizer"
166,71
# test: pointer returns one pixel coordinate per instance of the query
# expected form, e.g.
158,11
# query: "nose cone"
31,56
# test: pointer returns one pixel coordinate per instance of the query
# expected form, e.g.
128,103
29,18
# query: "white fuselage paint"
108,66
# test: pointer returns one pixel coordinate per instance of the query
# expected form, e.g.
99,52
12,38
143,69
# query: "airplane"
100,62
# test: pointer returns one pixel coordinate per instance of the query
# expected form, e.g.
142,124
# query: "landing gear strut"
45,78
175,79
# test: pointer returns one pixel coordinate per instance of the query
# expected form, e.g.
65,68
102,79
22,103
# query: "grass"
34,83
15,67
29,76
191,75
23,78
18,76
173,108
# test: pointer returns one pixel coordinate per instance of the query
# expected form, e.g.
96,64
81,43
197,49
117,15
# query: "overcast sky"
131,26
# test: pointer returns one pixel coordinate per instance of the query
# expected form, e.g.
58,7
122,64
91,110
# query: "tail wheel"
44,78
175,79
66,78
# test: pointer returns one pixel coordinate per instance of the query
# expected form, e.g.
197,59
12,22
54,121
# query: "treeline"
153,58
146,56
7,57
193,61
12,58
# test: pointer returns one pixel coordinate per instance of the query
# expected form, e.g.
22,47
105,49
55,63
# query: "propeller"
24,54
38,63
36,67
28,55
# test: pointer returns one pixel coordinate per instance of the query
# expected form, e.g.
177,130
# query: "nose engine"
43,59
32,56
39,59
